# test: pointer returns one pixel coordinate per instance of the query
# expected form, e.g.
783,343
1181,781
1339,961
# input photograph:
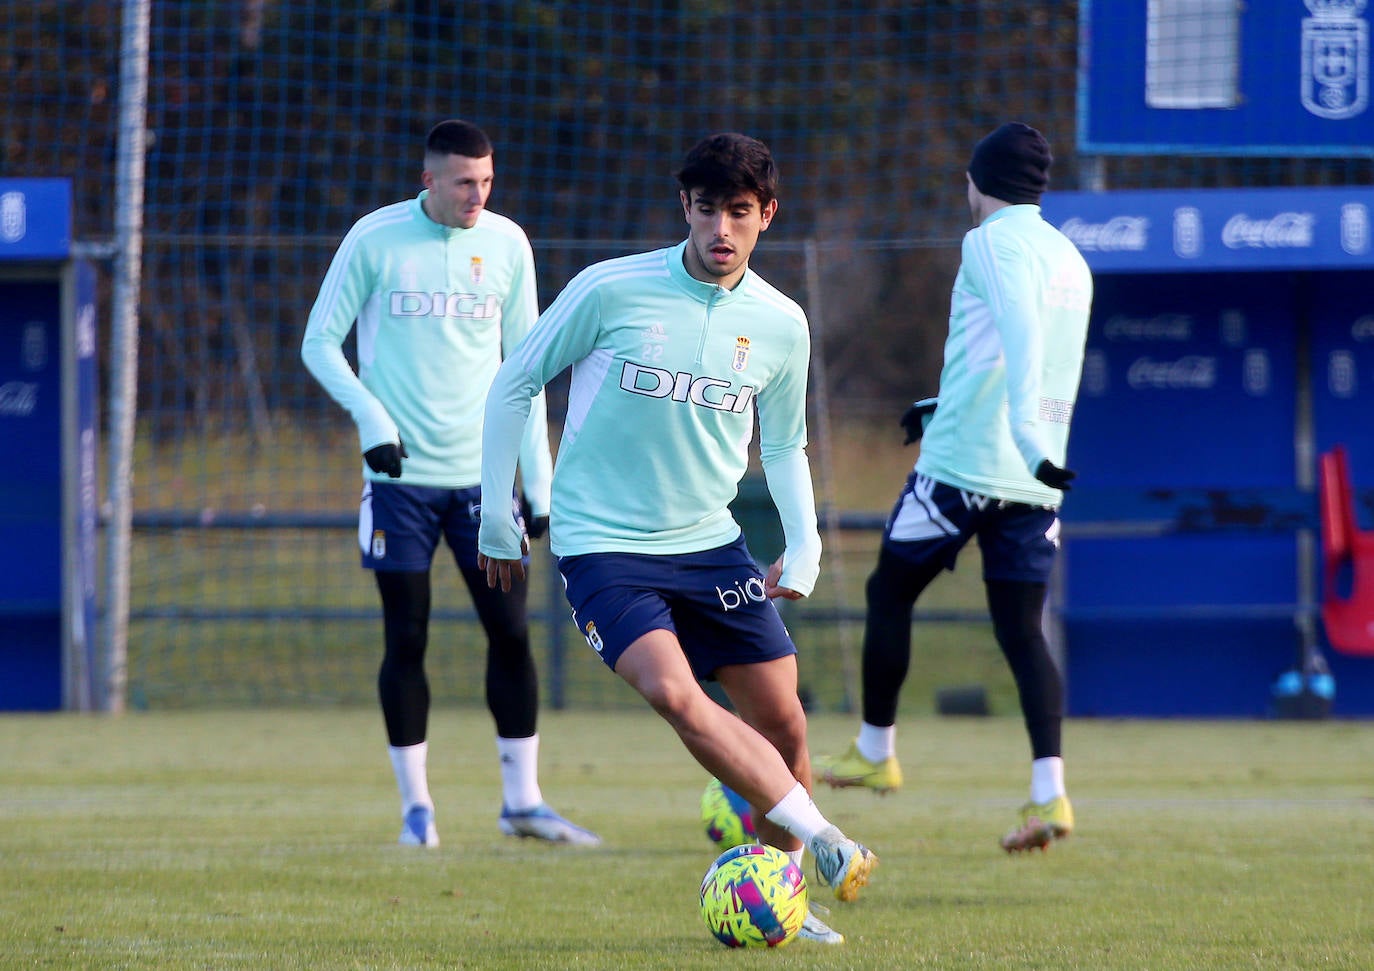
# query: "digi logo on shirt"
707,392
416,303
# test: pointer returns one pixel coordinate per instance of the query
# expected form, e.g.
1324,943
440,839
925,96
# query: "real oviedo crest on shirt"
741,358
475,269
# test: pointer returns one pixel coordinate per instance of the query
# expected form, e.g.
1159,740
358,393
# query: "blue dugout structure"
47,425
1232,341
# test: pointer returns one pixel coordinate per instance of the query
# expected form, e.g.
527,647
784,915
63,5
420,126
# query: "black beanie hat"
1012,164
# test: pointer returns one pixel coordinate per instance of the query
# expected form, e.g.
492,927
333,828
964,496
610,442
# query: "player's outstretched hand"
1053,476
772,590
917,417
386,459
535,526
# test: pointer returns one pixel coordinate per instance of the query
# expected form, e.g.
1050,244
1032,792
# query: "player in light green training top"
673,353
441,289
992,465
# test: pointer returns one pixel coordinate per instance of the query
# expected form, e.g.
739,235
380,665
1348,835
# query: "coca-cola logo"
1286,230
18,398
1164,327
1193,371
1118,234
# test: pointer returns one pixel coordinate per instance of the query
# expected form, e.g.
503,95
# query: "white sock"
408,762
877,742
797,814
1047,779
519,772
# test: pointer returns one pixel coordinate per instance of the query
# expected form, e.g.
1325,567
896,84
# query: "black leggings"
512,684
1016,608
1018,623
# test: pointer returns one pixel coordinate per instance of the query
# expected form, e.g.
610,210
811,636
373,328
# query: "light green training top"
668,373
1017,325
437,310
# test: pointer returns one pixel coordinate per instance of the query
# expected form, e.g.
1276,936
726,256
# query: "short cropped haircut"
457,137
726,164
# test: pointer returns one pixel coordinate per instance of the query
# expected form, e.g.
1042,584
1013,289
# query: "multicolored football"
753,896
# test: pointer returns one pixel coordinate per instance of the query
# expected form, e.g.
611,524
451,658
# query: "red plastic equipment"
1347,560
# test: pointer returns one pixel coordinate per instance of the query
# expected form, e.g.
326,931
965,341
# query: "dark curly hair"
728,163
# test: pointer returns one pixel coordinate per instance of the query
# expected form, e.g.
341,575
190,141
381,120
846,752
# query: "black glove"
1053,476
386,459
535,526
917,417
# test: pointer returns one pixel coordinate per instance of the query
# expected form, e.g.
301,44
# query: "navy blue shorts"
399,526
713,601
933,521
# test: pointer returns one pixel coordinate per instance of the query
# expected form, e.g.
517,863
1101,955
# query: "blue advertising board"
47,422
1197,372
1342,352
1219,77
1217,317
1154,231
31,598
1342,315
35,219
1189,384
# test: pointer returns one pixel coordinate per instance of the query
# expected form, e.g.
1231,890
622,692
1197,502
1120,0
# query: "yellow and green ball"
753,896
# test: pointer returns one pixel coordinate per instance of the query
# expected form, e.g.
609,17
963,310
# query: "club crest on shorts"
741,359
593,636
475,269
379,544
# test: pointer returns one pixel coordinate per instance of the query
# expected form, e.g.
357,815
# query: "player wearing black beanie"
1012,164
994,447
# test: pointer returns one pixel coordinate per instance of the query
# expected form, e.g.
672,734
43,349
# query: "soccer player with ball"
673,352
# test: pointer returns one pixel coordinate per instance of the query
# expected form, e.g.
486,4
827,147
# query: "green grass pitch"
266,840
